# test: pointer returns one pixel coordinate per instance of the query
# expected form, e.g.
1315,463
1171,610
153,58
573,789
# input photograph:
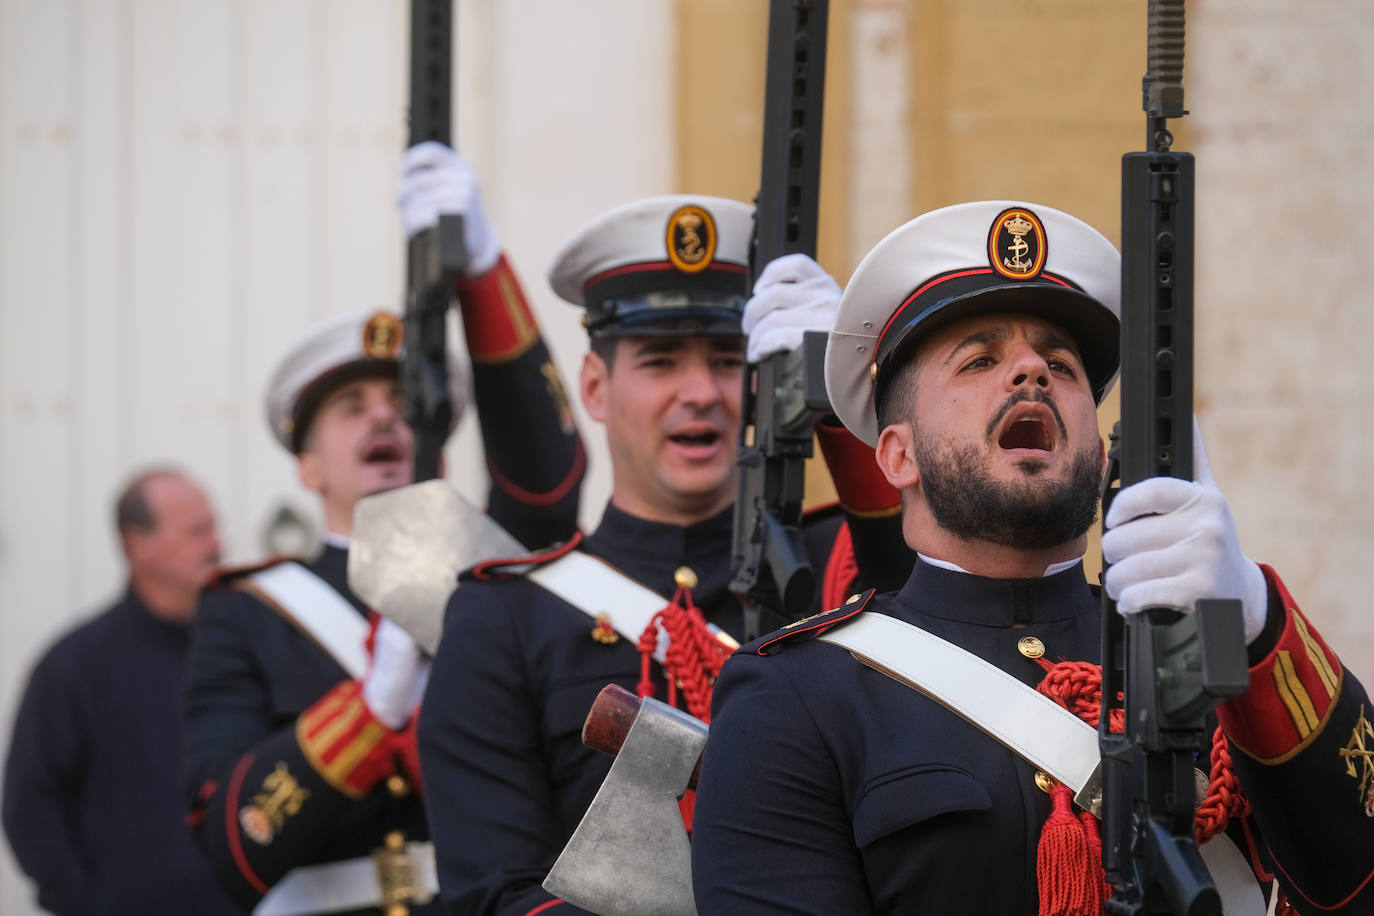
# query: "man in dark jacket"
91,805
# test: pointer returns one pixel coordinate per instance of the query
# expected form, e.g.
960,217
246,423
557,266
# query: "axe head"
408,547
630,856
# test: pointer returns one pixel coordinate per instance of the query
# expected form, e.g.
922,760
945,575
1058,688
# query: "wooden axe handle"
609,721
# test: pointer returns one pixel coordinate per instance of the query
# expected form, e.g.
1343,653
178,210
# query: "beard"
1031,513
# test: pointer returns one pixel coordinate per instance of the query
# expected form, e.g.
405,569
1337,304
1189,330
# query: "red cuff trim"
811,627
1292,693
549,497
231,826
345,743
862,488
545,906
497,320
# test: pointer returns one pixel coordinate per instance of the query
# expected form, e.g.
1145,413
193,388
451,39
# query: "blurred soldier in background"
301,769
90,800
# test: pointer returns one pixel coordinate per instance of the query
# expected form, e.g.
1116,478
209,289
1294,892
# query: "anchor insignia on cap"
1016,244
691,239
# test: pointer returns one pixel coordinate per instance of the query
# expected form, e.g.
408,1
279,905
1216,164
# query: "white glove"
1171,542
436,180
793,295
396,678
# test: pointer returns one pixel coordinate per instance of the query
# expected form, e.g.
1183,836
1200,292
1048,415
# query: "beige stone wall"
1283,130
931,102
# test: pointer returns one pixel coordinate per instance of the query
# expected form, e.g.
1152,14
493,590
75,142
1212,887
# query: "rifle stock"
770,566
434,256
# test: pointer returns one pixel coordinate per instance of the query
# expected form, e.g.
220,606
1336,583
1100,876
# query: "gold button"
1030,647
398,909
1044,781
873,371
395,840
685,577
852,598
397,786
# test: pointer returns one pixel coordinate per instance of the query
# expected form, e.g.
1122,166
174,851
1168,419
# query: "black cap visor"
1094,328
695,313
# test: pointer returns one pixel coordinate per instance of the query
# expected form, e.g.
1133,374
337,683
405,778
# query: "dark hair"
895,399
605,348
132,511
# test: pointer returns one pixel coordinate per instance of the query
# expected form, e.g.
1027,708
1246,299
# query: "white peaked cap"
335,351
968,259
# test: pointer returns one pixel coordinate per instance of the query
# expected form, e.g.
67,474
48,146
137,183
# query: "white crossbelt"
315,607
1034,726
336,887
595,588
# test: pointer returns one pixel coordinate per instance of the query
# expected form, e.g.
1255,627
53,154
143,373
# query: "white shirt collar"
954,567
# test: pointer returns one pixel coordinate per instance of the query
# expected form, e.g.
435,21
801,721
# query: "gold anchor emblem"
1016,244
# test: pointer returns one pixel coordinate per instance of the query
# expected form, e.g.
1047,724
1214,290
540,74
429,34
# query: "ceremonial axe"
634,820
408,547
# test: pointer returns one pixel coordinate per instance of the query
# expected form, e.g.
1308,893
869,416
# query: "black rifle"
1165,670
435,256
781,392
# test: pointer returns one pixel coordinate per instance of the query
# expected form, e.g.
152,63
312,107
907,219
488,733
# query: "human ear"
308,471
896,455
592,386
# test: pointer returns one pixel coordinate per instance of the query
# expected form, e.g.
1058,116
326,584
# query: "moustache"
1029,394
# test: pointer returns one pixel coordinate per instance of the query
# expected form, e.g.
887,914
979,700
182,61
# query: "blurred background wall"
187,184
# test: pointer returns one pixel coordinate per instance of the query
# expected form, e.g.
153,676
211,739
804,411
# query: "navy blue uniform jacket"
827,787
256,680
507,776
91,804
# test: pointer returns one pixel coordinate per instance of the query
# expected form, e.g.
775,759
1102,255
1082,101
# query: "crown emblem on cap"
1018,225
382,336
1016,244
691,239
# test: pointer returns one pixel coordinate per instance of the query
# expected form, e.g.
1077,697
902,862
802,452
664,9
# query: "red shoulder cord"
693,658
691,663
1069,858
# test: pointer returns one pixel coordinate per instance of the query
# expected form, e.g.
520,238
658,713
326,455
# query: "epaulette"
502,569
811,627
225,576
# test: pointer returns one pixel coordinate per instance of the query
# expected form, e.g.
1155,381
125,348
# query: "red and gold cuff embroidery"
1292,691
861,487
345,743
496,318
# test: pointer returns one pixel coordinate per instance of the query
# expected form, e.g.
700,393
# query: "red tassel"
1064,867
693,658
